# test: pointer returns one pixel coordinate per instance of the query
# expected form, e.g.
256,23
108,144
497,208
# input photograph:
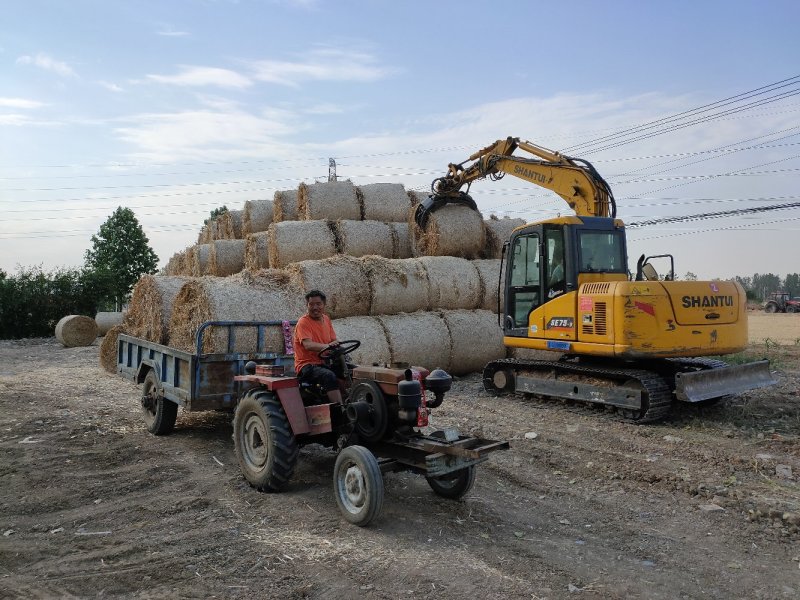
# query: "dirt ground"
704,505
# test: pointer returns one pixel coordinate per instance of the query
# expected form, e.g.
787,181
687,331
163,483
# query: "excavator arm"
575,180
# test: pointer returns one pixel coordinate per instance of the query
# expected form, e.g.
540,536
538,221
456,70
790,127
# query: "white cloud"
324,64
22,103
204,76
169,32
222,134
48,63
113,87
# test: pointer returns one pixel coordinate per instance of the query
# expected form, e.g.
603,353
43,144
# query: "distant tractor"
781,302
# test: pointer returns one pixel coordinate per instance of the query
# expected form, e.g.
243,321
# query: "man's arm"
313,346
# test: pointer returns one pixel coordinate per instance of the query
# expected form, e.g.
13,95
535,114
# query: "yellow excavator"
631,341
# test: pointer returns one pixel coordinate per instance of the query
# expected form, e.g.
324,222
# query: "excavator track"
640,395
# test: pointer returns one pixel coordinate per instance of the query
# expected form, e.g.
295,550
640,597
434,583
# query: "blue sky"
174,108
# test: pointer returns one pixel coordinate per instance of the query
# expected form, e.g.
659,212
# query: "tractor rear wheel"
358,485
771,307
158,412
454,485
265,445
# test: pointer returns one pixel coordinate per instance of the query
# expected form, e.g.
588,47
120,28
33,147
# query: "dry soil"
704,505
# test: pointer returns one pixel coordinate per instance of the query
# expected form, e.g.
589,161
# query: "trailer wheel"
159,413
454,485
358,485
264,442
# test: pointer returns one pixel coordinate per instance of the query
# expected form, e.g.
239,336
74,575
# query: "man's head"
315,304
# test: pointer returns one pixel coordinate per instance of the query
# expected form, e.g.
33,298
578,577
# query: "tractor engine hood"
705,302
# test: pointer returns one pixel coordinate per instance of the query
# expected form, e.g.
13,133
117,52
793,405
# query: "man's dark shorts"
319,374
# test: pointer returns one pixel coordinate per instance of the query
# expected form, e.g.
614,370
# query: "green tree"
792,284
120,254
215,213
690,276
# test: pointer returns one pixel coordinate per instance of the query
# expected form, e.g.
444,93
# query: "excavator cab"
552,259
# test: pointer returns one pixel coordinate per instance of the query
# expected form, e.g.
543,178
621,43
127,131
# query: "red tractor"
781,302
376,429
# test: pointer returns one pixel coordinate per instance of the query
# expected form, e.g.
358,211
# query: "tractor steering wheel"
345,347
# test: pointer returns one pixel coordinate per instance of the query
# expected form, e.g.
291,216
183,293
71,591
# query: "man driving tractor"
313,334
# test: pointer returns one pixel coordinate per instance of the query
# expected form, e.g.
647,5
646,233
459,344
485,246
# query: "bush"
32,301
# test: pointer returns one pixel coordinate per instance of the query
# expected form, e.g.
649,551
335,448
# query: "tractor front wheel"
358,485
454,485
265,446
159,413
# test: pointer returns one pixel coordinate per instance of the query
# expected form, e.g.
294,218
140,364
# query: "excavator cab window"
601,252
556,274
524,280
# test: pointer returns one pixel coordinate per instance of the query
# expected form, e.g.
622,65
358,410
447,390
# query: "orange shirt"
317,331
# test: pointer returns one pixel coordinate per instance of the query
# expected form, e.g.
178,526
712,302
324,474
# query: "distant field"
777,327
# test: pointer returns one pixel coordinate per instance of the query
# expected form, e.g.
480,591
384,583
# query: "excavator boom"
575,180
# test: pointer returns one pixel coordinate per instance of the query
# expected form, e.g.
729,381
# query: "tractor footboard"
437,454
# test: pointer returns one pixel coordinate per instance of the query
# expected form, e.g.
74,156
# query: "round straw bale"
363,238
257,216
498,231
397,285
214,229
151,305
234,298
108,348
226,257
453,283
256,252
202,254
343,280
453,230
418,339
230,223
294,241
329,200
415,197
476,339
284,206
384,202
107,320
402,241
76,330
369,331
204,236
489,271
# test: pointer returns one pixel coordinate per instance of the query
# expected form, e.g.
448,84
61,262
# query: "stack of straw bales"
426,297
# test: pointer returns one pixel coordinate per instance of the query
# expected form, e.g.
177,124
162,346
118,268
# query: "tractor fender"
295,411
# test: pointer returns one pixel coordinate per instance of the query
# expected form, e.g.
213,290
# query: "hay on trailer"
418,339
230,225
369,331
329,200
151,305
396,285
226,257
108,348
402,241
489,271
343,279
257,216
256,252
453,283
498,231
284,206
232,298
453,230
107,320
364,238
384,202
295,241
476,339
76,330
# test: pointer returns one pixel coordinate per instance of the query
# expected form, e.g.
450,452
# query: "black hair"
316,294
